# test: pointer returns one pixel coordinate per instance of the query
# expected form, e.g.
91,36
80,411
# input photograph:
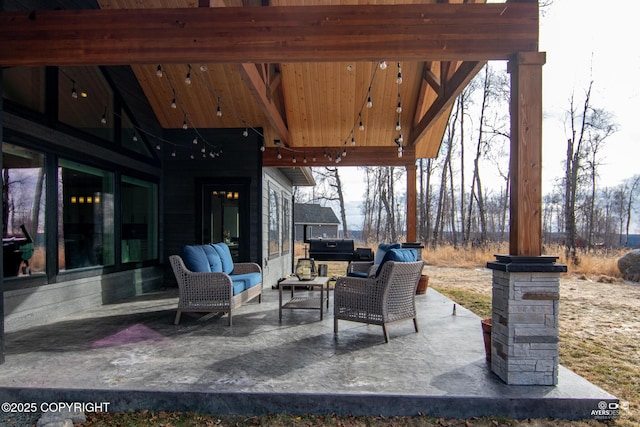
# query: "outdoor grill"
337,250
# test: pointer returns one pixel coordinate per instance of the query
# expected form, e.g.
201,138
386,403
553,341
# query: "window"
86,221
131,138
139,220
25,87
286,224
85,101
274,223
23,192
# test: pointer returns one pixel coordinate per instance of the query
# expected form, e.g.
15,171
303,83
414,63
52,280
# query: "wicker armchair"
211,292
387,298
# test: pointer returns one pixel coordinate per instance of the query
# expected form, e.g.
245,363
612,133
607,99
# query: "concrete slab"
131,356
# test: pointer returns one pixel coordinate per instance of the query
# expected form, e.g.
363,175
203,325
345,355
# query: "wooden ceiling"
273,83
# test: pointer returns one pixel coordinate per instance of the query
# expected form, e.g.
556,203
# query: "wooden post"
525,234
412,204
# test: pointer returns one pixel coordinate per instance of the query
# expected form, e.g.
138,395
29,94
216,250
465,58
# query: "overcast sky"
584,40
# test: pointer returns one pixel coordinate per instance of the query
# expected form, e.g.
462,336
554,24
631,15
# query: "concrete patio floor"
133,357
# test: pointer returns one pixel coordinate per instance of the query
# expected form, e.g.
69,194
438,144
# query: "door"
225,217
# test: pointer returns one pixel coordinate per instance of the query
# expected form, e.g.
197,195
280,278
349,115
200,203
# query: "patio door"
225,216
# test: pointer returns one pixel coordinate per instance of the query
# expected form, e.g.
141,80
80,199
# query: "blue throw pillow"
399,255
215,263
225,256
195,259
382,250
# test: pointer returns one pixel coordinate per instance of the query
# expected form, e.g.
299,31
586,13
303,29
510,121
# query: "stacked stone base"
524,335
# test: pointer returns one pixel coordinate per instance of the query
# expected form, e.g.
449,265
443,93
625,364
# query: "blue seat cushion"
215,264
225,256
399,255
363,274
245,281
195,259
382,251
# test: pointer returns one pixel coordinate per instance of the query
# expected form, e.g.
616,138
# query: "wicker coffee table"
305,302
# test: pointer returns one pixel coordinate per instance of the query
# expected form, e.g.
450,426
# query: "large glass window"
25,86
274,223
286,224
23,184
131,138
85,101
86,223
139,220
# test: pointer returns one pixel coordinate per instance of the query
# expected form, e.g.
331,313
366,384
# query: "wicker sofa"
209,280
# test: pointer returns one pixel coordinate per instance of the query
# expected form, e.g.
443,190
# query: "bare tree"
330,178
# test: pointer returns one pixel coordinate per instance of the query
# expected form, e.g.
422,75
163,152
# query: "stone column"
524,331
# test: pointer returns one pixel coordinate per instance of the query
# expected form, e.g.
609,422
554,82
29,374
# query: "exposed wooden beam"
423,32
356,156
463,75
430,78
258,88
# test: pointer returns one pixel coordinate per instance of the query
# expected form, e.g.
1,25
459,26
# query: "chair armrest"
351,284
246,267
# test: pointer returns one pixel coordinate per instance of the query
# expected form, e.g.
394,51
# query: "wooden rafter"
474,32
453,87
261,93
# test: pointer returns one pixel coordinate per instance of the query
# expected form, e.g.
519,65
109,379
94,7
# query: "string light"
293,159
353,141
304,159
187,79
399,79
74,92
369,101
103,120
184,122
398,126
159,71
219,110
174,104
262,147
195,141
383,65
245,132
279,156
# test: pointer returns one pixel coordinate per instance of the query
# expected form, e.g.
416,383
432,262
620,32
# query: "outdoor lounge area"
132,355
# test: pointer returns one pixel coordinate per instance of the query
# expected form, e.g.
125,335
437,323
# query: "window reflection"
139,220
86,222
23,181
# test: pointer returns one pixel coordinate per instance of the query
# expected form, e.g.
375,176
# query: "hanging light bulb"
203,150
135,138
262,147
192,157
245,132
159,71
314,158
195,141
187,79
74,92
361,127
344,153
158,146
383,65
400,139
399,79
279,156
103,120
369,102
212,154
353,141
304,159
398,126
174,104
219,110
173,153
293,159
184,125
400,151
399,107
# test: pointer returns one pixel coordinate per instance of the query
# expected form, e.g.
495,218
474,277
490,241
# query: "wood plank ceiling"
312,108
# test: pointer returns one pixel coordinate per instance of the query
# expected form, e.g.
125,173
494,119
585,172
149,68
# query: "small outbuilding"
318,221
